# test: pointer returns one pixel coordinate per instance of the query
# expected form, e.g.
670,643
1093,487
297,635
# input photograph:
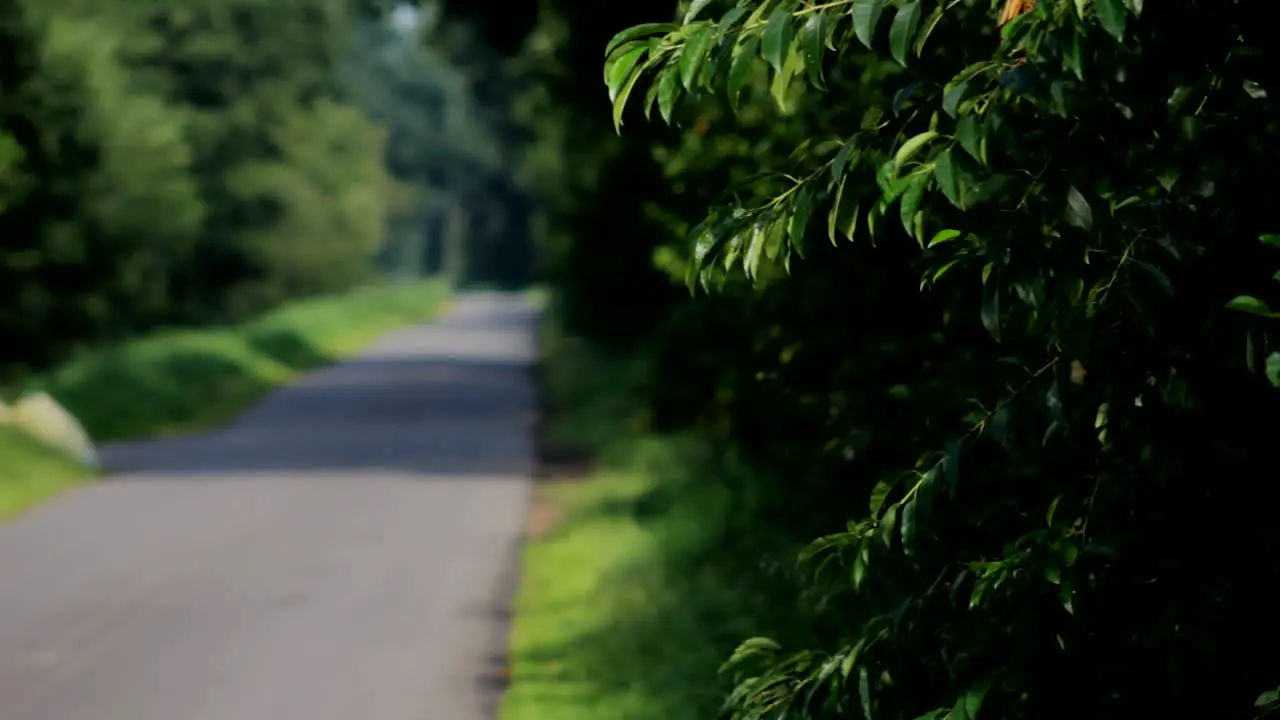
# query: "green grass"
190,380
538,296
181,381
31,472
611,620
627,609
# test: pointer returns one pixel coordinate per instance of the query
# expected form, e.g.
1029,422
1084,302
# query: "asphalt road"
344,551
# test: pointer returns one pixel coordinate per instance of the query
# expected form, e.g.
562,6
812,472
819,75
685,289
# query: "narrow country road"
344,551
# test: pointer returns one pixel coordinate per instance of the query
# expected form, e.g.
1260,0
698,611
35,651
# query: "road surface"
343,551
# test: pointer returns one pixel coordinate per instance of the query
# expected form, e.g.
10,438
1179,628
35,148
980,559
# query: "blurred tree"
98,207
169,162
433,88
242,72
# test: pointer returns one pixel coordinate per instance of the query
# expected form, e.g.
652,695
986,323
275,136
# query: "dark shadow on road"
428,416
454,398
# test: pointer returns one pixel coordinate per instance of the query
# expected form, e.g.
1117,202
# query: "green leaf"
864,686
859,571
781,85
1053,508
1079,214
903,30
841,161
1271,240
732,251
800,215
1248,304
911,200
706,242
760,643
636,32
944,236
890,184
951,463
927,488
744,56
909,528
991,310
775,237
618,72
695,7
1178,99
930,23
693,53
1112,15
879,493
948,178
922,498
911,147
820,680
887,525
651,97
952,96
843,218
620,101
729,22
668,92
866,15
814,33
755,647
776,39
751,261
1161,279
970,72
968,705
969,134
937,275
989,188
1273,369
873,218
904,95
1073,56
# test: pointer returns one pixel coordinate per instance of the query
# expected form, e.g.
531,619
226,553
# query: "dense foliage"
984,300
186,163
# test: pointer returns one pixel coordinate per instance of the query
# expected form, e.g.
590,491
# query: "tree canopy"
185,163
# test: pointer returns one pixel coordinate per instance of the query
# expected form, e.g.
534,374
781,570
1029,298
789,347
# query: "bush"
188,380
1040,396
99,205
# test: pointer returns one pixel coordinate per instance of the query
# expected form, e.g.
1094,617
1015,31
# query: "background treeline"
168,163
988,313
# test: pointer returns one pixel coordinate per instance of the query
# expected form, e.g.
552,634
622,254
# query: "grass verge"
608,623
31,472
188,380
629,604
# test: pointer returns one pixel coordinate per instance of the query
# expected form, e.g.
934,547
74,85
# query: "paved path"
342,552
